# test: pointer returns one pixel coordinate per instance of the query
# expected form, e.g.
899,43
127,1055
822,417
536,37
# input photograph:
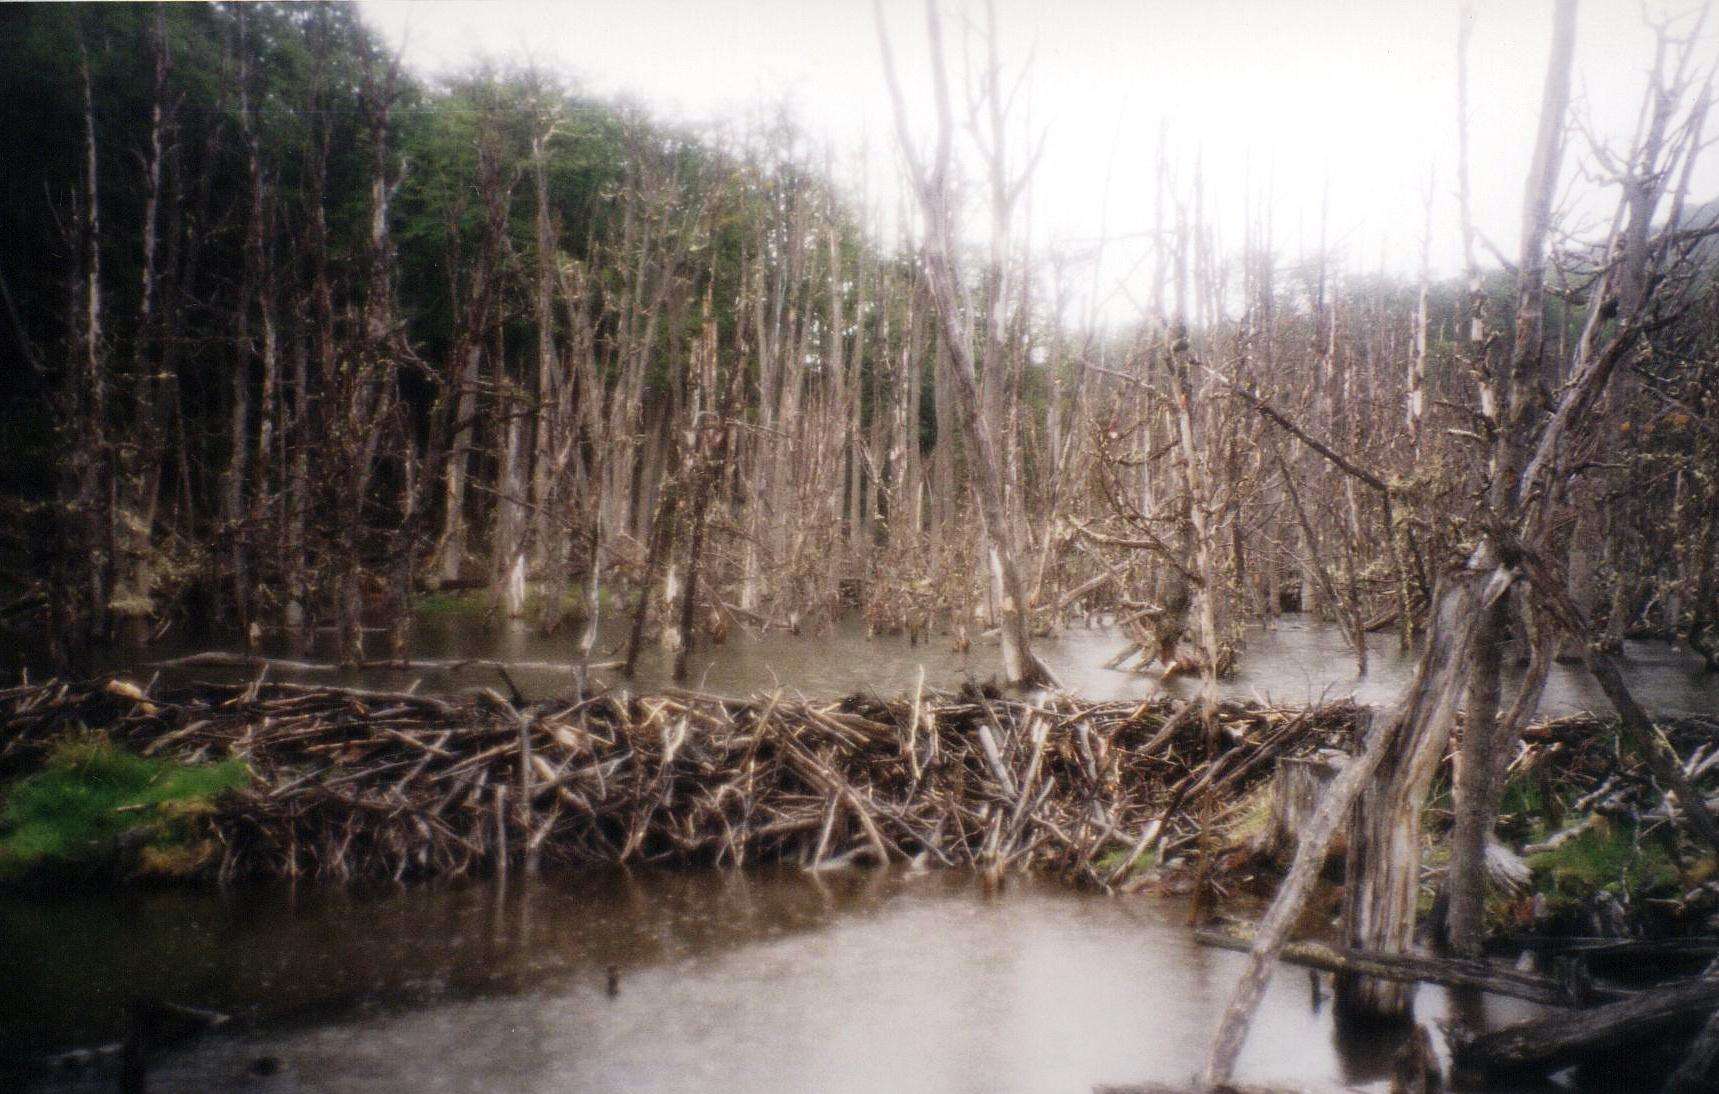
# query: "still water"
1294,662
759,981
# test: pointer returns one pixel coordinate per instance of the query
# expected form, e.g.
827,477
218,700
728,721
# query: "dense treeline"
310,334
297,336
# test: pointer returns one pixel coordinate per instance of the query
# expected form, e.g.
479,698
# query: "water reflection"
755,981
1293,662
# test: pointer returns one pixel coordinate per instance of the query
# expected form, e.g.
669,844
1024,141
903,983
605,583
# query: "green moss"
93,799
1606,857
466,604
1107,863
1526,796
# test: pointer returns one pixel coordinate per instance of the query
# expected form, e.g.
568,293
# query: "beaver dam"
353,784
346,785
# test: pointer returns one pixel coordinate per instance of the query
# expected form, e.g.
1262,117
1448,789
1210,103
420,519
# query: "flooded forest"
504,587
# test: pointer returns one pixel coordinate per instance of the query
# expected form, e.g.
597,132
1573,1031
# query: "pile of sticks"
1587,756
353,784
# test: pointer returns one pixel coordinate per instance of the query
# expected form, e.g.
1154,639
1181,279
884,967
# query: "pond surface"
1294,662
759,981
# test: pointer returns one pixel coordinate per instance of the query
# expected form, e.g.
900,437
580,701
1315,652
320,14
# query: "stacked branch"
355,784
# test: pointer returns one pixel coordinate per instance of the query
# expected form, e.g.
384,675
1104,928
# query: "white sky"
1360,95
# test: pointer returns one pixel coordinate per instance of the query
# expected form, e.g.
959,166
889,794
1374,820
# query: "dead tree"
1534,450
1513,432
1377,909
931,182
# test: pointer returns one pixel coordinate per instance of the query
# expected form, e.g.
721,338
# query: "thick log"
1545,1045
1409,968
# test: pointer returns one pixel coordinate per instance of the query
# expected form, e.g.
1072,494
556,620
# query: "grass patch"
93,802
1250,818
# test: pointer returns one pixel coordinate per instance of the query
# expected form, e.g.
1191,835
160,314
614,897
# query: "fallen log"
1700,1069
1632,949
1406,968
1545,1045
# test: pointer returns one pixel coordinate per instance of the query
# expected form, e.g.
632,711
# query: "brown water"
756,981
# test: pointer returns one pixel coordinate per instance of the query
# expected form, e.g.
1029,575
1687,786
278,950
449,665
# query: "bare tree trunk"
1475,795
712,470
136,462
234,512
943,275
508,549
1424,711
87,556
660,547
548,541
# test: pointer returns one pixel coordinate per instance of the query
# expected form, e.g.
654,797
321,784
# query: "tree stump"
1296,791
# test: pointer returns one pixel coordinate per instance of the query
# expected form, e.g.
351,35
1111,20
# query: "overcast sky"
1357,96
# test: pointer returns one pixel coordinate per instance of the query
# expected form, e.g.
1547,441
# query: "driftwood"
1550,1044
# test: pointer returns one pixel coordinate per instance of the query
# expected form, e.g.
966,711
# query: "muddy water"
757,981
1294,662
